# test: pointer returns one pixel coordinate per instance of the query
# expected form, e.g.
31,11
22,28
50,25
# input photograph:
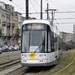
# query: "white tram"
37,44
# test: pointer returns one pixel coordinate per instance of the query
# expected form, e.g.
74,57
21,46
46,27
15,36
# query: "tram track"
10,63
19,70
36,70
30,73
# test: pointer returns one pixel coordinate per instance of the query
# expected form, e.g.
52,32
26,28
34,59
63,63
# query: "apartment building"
9,22
18,23
74,33
3,22
66,36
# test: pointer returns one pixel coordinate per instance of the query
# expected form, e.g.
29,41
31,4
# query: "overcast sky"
60,5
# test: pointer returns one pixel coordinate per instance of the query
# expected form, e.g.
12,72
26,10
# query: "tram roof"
37,21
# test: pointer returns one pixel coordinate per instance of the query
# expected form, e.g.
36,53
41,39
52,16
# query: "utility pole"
27,9
52,14
47,11
41,10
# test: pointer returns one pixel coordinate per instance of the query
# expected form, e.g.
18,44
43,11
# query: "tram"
37,44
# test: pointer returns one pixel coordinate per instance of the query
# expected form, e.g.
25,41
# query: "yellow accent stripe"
32,56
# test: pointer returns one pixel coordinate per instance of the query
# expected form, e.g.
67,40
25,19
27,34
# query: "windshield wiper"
38,47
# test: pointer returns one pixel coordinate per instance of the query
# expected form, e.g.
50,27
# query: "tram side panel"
51,49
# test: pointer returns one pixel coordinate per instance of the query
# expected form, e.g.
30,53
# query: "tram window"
49,45
52,44
52,41
25,41
34,39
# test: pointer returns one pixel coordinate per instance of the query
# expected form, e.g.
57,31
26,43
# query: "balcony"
3,23
8,25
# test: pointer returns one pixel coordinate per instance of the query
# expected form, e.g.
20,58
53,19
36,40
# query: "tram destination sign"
33,27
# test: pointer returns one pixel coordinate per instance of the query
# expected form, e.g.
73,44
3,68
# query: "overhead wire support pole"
41,10
52,17
27,9
47,11
52,14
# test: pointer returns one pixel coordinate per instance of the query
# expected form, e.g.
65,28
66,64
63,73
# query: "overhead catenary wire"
17,6
62,4
63,22
63,8
55,12
58,25
33,6
38,4
63,18
66,12
45,12
67,23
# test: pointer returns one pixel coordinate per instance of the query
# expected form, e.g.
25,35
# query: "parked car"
16,47
5,48
0,50
11,48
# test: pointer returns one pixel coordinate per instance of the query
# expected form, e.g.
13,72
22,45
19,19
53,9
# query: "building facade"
74,33
9,22
66,36
18,23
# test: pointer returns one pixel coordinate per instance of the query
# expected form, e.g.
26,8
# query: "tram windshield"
34,41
